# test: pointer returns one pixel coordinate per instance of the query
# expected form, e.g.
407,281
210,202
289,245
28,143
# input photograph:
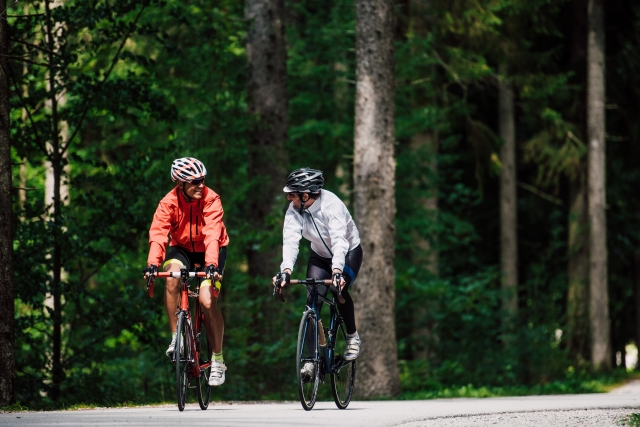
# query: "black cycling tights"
320,268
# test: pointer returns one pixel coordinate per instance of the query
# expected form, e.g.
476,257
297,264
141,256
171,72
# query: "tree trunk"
426,253
57,371
7,338
577,334
421,21
268,106
637,297
508,203
599,299
22,194
578,272
374,170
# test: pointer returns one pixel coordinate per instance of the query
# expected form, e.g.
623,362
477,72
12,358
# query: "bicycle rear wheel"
344,374
205,351
306,353
183,358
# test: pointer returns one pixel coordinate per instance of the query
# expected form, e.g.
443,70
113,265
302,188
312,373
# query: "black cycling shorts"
190,259
320,268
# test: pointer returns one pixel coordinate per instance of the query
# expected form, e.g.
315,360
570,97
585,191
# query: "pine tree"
374,175
598,293
7,350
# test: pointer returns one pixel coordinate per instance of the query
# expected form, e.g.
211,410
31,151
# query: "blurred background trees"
493,159
7,333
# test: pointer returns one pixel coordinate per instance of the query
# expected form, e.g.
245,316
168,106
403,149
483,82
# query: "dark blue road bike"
322,349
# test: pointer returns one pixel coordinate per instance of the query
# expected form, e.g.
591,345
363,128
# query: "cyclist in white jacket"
322,218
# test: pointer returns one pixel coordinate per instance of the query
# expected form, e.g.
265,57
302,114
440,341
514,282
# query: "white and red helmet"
187,169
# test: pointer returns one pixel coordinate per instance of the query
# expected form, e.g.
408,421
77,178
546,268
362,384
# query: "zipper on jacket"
193,246
196,225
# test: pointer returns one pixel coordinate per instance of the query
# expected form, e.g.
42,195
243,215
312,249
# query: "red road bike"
193,350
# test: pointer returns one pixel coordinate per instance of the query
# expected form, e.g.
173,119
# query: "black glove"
211,270
152,270
283,277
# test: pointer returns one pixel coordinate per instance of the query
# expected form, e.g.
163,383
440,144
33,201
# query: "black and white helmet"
304,180
187,169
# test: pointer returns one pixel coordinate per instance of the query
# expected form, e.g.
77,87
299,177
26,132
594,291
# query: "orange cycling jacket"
193,226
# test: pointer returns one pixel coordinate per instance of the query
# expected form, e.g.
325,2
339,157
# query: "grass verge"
632,420
579,384
16,407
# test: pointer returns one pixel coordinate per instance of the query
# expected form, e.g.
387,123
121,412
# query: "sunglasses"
197,181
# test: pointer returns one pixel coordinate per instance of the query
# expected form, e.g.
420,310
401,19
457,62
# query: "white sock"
353,335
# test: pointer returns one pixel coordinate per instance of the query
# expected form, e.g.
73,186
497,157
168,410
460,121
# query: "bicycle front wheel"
344,371
182,355
307,365
205,351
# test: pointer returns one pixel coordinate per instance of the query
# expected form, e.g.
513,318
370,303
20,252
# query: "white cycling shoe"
307,371
217,376
353,348
172,347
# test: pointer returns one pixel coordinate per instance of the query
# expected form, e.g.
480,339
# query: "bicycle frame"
194,330
327,363
314,296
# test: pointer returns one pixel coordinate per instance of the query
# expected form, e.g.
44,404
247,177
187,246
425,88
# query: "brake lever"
277,290
150,284
340,298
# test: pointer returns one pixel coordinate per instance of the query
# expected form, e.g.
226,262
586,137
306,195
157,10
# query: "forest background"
104,94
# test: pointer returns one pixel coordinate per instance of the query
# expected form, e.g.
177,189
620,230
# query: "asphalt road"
537,411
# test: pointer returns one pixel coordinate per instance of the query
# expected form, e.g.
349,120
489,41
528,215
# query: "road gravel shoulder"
531,411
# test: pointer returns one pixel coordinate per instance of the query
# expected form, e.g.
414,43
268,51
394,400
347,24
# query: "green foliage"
16,407
632,420
178,88
571,383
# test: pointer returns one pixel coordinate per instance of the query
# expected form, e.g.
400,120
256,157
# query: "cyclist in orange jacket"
191,215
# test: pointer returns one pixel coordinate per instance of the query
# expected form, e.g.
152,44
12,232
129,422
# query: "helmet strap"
302,202
184,193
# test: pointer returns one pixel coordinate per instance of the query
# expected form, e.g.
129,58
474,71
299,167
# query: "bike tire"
307,386
205,351
344,376
182,354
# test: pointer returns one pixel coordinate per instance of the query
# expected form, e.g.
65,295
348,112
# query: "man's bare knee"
206,303
207,300
172,285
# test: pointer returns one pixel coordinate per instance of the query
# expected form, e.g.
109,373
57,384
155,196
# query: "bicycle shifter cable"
340,298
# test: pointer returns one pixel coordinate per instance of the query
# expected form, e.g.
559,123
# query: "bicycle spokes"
344,371
307,362
182,354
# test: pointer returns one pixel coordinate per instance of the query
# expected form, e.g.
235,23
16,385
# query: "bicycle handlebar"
177,274
277,289
174,274
310,282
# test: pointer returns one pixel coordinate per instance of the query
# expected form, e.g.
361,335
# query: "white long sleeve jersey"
336,227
